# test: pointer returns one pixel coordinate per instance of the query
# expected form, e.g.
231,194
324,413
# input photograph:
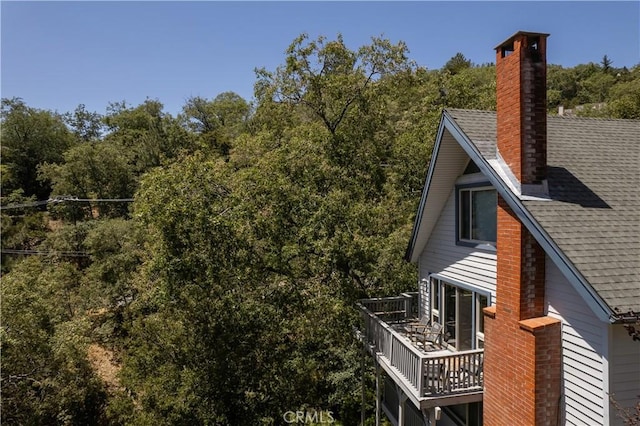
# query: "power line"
19,206
46,253
67,198
104,200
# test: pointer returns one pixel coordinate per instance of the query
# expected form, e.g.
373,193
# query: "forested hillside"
203,268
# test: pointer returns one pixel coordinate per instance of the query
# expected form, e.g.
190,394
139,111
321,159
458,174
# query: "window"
459,310
476,211
464,414
434,303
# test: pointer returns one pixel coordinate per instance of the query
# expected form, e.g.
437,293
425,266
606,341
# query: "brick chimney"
521,77
522,345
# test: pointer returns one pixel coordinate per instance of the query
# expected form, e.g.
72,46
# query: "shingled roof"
593,215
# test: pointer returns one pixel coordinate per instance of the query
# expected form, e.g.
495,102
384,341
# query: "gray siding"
624,374
583,349
448,162
458,263
423,294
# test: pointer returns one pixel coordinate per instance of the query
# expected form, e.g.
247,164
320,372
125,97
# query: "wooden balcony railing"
430,374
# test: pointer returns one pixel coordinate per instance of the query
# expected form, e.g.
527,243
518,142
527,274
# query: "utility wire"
19,206
67,198
104,200
46,253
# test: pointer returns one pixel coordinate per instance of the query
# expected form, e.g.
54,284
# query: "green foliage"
22,228
30,137
86,126
472,88
593,90
625,101
457,63
226,294
46,378
218,122
149,135
98,170
328,78
116,247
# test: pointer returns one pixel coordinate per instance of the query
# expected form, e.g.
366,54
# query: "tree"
353,100
595,88
625,99
87,126
219,121
196,296
457,63
116,248
149,135
46,378
606,64
240,306
468,87
328,78
30,137
101,170
562,87
23,228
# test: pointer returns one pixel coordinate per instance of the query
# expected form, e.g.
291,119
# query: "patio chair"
415,328
471,373
434,376
431,337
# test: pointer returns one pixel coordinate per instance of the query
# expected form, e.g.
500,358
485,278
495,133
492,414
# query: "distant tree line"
224,294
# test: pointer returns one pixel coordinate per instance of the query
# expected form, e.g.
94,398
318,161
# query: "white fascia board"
513,199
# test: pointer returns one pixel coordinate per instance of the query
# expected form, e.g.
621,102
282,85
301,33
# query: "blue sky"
56,55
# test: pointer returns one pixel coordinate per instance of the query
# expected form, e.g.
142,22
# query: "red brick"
522,345
521,106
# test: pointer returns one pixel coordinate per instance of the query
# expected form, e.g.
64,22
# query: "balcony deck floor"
415,338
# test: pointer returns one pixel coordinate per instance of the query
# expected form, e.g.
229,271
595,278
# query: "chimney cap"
518,34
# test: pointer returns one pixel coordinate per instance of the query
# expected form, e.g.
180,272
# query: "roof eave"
595,302
411,255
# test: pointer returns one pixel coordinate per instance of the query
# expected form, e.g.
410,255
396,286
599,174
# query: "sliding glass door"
459,310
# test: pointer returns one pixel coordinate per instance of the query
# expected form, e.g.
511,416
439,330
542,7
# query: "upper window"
477,210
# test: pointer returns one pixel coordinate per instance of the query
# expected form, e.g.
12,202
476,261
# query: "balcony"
429,376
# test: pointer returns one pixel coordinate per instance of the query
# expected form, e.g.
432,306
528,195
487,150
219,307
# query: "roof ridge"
564,117
573,117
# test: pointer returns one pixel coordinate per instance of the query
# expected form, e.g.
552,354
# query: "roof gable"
448,161
589,223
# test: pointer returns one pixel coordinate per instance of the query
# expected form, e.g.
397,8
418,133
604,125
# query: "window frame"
479,318
471,187
436,313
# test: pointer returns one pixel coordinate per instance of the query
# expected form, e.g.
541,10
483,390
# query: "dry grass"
103,363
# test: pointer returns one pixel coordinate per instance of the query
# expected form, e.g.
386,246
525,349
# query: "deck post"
402,398
408,306
421,377
377,393
429,416
362,373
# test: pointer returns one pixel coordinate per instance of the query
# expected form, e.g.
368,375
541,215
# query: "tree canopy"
224,293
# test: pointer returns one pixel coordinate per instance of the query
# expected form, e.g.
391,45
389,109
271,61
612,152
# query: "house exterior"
527,241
